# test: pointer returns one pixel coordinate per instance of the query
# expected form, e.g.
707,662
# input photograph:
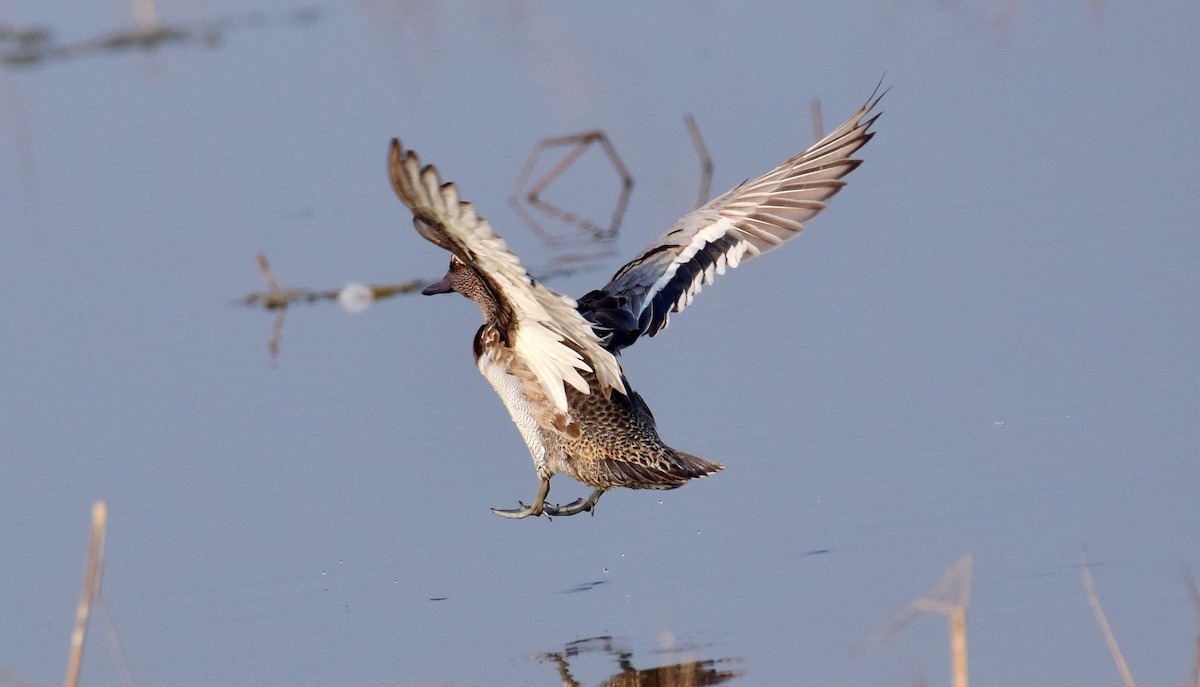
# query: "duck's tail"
668,469
691,467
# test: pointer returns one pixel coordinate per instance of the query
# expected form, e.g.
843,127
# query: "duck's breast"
494,364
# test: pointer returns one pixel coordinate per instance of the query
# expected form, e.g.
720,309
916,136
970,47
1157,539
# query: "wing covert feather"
757,216
544,327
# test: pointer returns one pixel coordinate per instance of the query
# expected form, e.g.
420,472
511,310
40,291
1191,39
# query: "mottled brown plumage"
618,446
553,361
606,439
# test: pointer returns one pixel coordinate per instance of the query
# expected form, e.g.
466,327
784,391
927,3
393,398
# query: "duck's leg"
577,506
538,507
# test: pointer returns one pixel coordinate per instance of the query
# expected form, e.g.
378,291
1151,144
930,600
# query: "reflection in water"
89,601
691,673
358,297
950,598
585,587
353,297
602,238
1194,595
91,589
706,163
1105,628
592,233
29,46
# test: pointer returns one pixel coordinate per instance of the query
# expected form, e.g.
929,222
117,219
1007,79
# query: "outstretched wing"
749,220
544,327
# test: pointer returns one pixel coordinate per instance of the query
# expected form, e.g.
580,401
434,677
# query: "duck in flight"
554,360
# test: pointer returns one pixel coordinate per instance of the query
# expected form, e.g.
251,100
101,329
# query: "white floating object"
356,297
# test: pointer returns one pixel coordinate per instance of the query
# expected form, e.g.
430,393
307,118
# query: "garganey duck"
553,360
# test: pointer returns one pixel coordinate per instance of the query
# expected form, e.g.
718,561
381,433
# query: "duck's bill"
437,287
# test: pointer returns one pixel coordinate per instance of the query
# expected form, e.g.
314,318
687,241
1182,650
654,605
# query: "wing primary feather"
753,218
542,326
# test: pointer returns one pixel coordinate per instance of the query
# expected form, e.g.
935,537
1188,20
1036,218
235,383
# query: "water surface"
985,346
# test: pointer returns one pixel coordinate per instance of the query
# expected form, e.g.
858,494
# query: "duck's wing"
749,220
542,326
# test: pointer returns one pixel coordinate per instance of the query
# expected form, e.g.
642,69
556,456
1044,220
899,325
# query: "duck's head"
462,278
458,278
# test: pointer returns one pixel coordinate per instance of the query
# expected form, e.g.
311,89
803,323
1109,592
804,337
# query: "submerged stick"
949,598
533,196
1194,595
1105,628
89,592
706,163
817,123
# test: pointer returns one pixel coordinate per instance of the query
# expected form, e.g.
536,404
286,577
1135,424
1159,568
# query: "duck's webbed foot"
537,508
522,511
575,507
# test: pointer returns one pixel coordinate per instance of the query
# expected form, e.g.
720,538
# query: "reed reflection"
692,672
581,250
23,47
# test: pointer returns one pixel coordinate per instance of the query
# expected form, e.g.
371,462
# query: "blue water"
985,346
